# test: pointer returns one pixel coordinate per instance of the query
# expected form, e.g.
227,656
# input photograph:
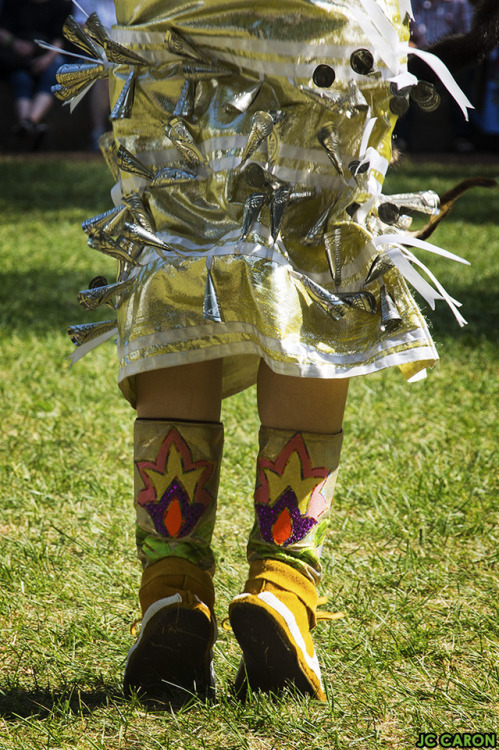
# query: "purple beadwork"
268,516
176,511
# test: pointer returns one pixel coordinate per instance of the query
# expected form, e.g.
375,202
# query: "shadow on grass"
18,702
40,298
29,185
41,702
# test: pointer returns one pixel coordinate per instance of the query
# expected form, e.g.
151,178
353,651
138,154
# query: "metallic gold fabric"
252,189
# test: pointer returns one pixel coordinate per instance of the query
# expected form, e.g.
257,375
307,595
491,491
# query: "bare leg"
187,392
22,109
302,404
40,106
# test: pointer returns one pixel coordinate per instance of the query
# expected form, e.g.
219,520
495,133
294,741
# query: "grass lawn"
412,556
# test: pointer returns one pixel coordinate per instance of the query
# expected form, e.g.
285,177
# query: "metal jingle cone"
141,215
262,125
316,231
62,93
301,195
242,102
330,143
122,110
390,316
193,71
93,297
95,29
363,301
137,233
105,244
333,100
169,176
85,332
426,201
75,33
328,99
109,150
133,251
404,222
76,74
273,146
277,115
127,162
178,45
184,106
252,207
328,300
356,98
332,243
380,265
179,129
109,221
115,52
181,137
66,93
279,201
120,55
211,307
190,152
204,71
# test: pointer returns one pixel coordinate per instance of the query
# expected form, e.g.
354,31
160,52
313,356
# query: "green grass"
412,554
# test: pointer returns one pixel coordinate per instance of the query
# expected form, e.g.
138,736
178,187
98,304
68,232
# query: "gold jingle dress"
250,143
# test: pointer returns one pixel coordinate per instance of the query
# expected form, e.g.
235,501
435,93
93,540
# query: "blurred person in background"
434,20
30,69
99,94
486,116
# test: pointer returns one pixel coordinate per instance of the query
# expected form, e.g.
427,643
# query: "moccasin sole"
172,658
272,658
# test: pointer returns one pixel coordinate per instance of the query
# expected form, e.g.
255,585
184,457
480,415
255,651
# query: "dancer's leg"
309,404
300,443
187,392
178,449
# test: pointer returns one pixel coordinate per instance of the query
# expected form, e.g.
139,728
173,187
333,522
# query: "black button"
399,105
97,281
323,76
255,176
388,213
357,167
431,104
426,96
352,208
362,62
